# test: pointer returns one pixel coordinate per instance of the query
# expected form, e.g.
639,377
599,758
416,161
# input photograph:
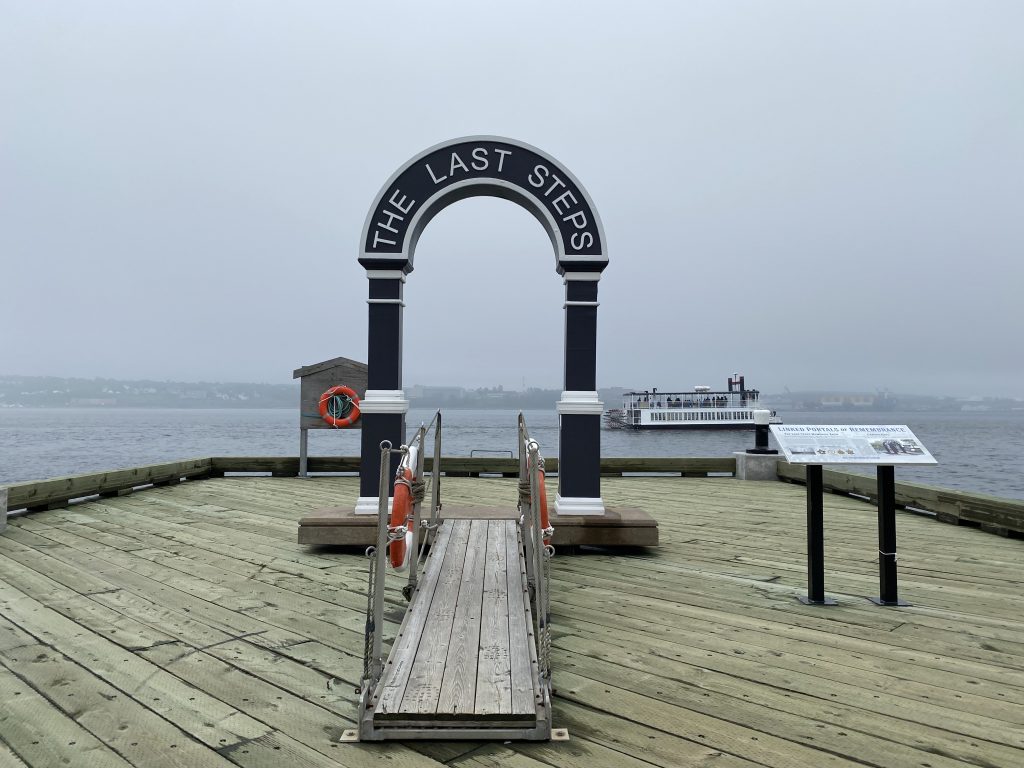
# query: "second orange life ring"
401,515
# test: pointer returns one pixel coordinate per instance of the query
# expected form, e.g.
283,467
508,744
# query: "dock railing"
992,513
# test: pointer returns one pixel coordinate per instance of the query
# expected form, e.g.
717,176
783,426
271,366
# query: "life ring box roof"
318,378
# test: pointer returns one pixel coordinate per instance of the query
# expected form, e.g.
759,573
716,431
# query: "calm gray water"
976,451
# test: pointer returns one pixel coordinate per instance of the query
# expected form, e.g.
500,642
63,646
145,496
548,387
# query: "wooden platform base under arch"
618,527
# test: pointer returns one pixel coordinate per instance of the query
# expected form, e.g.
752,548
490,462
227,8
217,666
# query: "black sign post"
815,540
888,592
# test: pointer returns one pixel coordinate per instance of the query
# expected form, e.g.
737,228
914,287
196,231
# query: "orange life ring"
401,514
545,526
338,392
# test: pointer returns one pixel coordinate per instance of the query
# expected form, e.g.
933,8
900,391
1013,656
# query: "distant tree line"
55,392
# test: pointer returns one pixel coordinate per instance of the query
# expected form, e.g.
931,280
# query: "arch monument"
418,191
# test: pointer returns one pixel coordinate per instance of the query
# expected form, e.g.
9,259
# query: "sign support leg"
888,593
815,540
303,451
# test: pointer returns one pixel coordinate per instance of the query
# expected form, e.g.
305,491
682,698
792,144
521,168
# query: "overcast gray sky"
819,195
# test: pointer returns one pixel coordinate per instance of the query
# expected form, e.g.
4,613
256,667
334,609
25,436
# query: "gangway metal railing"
414,530
537,550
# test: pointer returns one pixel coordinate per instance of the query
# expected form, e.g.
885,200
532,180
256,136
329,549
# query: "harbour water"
977,451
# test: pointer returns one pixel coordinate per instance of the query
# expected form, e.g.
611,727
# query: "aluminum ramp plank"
520,631
458,688
424,689
395,677
494,668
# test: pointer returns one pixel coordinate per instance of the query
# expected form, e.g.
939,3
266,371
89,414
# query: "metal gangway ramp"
471,658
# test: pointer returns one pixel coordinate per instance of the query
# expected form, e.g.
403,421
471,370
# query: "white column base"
384,401
368,505
580,402
579,506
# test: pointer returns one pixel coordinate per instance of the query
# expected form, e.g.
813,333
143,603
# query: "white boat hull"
683,418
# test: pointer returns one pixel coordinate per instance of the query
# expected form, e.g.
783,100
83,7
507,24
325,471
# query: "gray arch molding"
418,191
483,165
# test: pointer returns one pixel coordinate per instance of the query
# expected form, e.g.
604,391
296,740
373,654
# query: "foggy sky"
818,195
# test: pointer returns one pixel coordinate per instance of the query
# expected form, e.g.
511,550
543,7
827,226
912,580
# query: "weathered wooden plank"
522,651
8,758
183,549
191,596
44,735
458,686
813,676
388,697
607,744
206,718
763,597
263,699
121,722
723,735
424,687
246,692
79,608
286,695
776,710
494,674
814,650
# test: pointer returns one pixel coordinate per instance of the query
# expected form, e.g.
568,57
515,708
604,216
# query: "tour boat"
700,408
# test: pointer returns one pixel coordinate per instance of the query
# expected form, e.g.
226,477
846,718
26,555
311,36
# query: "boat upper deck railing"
746,398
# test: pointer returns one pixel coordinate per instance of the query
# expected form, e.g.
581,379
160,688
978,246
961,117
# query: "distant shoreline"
882,415
52,392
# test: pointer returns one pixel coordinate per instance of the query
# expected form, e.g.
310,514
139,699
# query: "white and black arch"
418,191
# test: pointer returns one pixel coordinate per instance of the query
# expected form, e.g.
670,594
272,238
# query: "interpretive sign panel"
850,444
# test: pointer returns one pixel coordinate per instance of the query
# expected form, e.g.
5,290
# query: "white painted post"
3,509
759,462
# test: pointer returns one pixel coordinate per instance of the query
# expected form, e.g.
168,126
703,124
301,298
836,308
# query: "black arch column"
579,443
385,405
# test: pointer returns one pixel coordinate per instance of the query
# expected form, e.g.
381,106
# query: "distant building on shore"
833,401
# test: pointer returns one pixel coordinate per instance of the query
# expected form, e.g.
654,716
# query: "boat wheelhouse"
699,408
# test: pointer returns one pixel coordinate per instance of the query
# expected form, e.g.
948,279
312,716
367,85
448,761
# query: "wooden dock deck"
183,626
